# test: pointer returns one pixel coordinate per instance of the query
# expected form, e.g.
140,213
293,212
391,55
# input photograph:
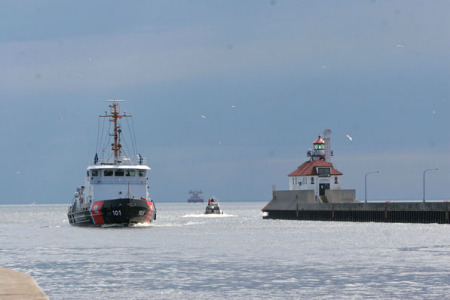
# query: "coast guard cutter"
115,190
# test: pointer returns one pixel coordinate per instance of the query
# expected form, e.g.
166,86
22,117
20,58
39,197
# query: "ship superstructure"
115,190
195,198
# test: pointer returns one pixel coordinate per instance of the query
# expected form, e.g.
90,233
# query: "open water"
188,255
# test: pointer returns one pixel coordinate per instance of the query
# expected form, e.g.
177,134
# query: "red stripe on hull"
150,211
96,212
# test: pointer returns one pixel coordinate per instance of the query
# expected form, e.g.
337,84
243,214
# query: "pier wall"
17,285
340,196
287,200
400,212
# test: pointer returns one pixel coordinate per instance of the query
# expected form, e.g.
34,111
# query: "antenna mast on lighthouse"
115,115
327,139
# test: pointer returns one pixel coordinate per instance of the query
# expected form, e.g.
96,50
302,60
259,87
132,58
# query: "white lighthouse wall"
303,183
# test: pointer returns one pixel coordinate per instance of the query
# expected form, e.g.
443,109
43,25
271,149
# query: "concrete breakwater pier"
389,212
315,193
17,285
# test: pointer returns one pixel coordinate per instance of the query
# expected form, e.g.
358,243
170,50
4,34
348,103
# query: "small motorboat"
213,207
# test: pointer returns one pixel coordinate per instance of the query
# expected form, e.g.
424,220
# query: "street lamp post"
435,169
365,184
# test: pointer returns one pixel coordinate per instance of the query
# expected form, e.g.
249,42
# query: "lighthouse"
313,185
317,173
315,194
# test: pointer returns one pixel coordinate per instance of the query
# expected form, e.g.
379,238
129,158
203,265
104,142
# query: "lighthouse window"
120,172
324,172
108,173
130,173
141,173
319,147
312,180
335,180
305,180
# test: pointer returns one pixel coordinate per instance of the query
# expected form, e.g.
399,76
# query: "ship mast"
114,116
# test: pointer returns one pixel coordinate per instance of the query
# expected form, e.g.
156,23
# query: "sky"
268,76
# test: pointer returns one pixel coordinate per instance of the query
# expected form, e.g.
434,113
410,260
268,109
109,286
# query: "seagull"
350,138
203,117
400,46
233,106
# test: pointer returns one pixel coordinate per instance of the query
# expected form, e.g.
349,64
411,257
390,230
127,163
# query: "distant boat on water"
195,198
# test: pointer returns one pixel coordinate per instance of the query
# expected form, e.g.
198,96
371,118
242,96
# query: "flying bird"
350,138
203,117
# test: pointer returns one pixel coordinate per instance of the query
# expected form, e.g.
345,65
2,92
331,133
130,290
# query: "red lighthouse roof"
309,168
319,141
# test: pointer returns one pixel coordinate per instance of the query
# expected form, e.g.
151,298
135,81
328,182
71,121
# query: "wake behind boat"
115,190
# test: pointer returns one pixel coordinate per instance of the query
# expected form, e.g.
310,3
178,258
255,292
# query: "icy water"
187,255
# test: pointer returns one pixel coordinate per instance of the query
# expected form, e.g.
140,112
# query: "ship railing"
138,160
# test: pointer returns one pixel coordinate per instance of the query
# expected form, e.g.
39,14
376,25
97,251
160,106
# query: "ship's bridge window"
141,173
130,173
120,172
108,173
95,173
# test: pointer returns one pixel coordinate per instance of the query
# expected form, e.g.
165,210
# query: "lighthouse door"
323,187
